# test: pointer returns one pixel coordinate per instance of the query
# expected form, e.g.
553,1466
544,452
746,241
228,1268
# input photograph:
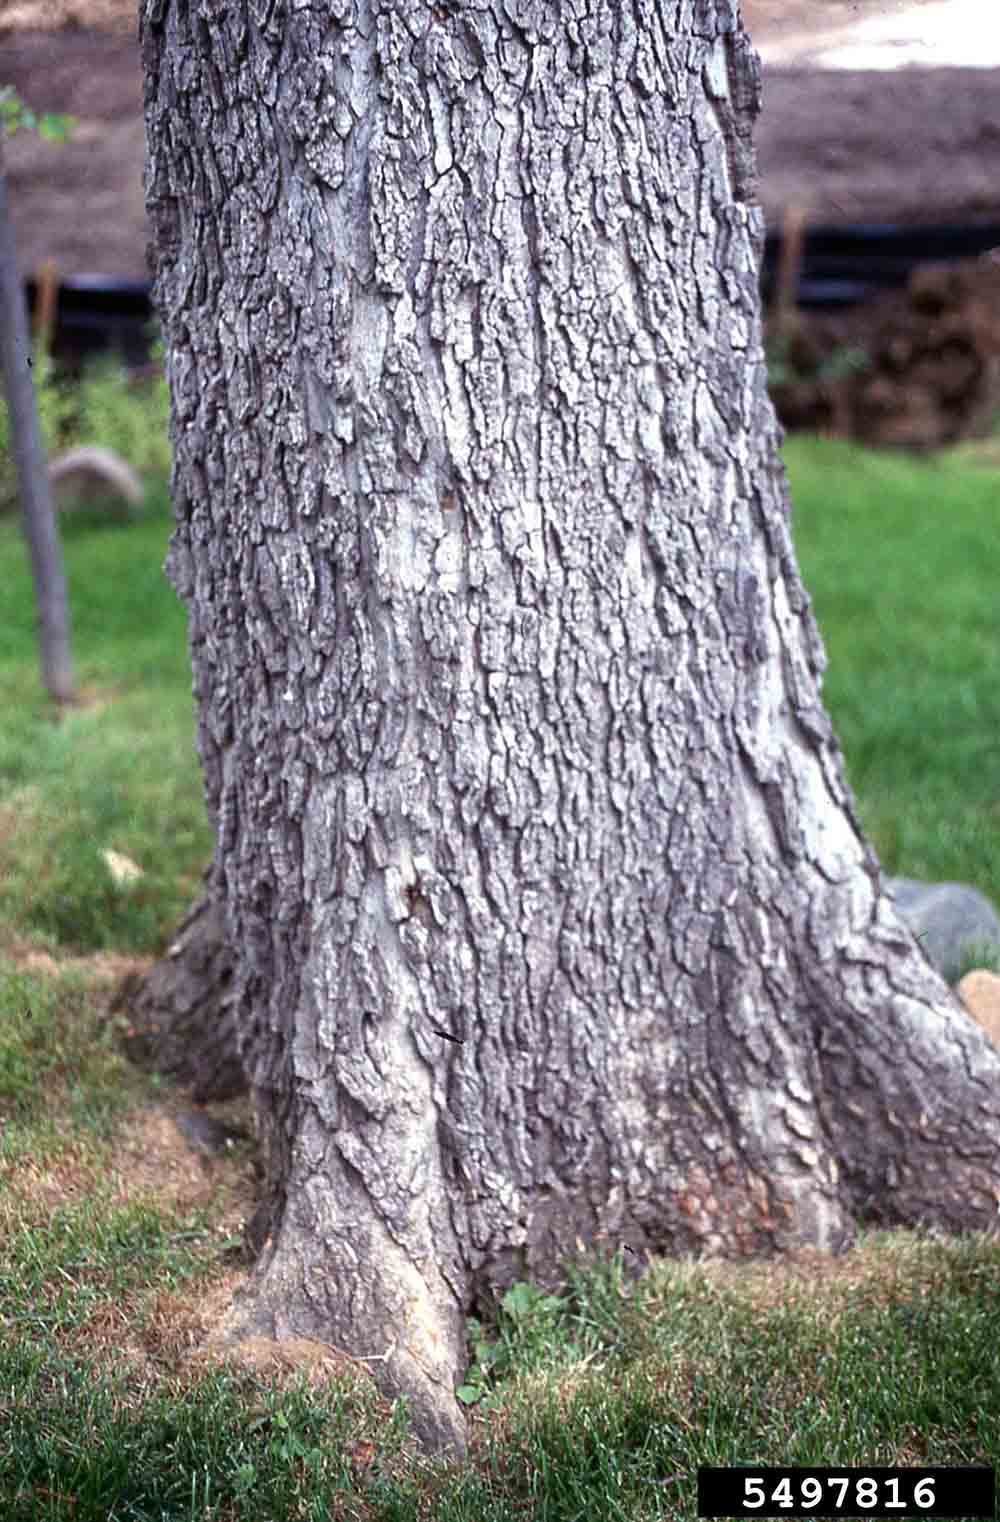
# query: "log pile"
917,369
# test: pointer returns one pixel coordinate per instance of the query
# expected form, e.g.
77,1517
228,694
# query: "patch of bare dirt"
105,966
79,203
152,1164
877,1272
155,1161
289,1360
915,147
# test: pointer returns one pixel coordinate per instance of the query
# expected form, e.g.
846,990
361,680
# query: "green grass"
902,559
118,773
60,1068
596,1403
612,1396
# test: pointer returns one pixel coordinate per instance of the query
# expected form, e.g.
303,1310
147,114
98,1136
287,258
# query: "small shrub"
55,412
132,418
105,407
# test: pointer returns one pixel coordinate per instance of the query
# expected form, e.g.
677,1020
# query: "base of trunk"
397,1321
181,1013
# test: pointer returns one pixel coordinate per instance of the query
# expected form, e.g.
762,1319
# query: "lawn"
902,559
118,773
118,1244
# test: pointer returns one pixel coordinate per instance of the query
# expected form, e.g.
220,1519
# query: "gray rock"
91,474
205,1133
951,920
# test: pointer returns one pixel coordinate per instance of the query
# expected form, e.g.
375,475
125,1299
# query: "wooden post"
46,302
793,236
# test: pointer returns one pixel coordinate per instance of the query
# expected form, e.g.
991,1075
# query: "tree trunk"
182,1016
552,917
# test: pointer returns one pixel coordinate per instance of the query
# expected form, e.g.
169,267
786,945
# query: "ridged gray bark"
552,920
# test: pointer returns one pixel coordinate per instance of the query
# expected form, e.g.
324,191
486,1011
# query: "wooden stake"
786,293
46,303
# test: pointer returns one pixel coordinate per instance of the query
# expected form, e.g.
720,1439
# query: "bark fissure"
552,921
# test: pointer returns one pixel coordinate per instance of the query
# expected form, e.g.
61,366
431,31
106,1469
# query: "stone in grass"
90,474
979,991
122,868
952,921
